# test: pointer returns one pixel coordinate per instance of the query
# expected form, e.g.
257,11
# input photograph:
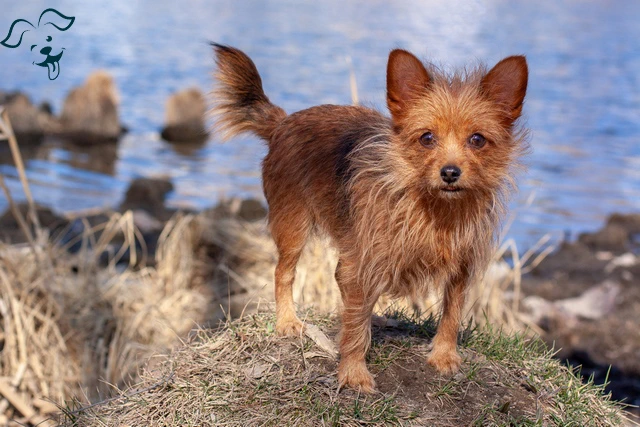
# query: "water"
583,103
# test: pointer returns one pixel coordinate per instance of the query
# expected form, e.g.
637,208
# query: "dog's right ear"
16,31
506,84
406,78
57,19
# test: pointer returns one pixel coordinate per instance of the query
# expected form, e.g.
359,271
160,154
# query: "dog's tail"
240,104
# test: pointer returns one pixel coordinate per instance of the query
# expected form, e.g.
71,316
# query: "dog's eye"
49,38
428,139
477,140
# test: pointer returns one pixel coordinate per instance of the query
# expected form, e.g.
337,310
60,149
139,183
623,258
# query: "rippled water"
583,104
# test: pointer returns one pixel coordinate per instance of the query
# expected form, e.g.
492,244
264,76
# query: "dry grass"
72,327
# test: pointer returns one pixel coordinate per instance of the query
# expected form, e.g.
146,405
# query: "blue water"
583,103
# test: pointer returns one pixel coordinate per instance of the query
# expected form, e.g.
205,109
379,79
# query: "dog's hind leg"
290,229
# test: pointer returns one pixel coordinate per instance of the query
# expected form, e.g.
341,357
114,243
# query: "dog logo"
44,45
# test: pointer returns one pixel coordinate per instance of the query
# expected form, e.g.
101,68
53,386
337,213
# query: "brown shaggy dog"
91,110
410,202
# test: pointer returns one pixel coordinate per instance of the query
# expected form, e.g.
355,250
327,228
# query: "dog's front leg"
444,356
355,336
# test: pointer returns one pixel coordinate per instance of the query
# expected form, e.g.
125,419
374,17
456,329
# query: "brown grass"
72,327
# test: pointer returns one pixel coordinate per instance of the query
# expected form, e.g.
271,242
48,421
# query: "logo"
49,54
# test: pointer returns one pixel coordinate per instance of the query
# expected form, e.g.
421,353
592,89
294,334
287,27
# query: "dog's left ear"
506,84
55,18
16,31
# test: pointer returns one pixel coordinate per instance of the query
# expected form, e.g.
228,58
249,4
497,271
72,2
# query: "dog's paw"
356,375
445,361
290,327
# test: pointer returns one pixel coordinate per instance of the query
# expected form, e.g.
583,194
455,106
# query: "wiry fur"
368,182
241,105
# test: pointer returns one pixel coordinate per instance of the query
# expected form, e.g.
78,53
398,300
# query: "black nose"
45,50
450,174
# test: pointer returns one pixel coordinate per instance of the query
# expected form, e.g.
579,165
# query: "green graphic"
50,21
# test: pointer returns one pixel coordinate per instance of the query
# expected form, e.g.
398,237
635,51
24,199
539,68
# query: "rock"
251,210
612,238
616,236
184,117
147,194
630,222
593,304
90,112
246,209
29,122
625,260
575,261
10,231
538,310
145,222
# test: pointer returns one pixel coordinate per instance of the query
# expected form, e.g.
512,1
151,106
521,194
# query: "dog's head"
456,135
42,39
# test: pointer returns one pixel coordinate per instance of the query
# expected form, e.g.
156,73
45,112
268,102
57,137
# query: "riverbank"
585,297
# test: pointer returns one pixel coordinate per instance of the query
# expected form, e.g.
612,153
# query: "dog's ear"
406,78
16,31
55,18
506,84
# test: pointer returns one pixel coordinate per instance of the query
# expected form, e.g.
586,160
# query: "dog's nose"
45,50
450,174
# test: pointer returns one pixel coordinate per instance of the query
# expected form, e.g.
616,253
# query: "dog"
410,202
49,55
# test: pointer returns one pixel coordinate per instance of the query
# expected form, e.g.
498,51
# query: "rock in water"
184,117
147,194
90,112
29,122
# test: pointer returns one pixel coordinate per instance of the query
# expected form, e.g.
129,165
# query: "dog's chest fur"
404,250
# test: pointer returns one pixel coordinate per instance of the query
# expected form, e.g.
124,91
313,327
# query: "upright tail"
239,101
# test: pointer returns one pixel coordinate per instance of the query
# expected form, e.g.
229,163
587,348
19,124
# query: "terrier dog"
410,202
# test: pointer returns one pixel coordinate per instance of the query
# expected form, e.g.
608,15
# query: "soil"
397,360
419,386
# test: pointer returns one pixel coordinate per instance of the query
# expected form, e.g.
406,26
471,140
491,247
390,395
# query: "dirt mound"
243,374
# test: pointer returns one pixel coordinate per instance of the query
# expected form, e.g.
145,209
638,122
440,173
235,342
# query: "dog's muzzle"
52,62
